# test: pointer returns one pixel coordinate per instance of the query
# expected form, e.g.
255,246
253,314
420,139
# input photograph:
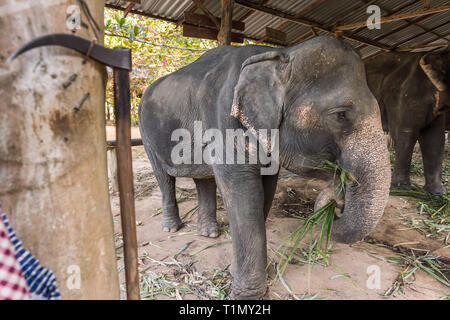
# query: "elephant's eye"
341,116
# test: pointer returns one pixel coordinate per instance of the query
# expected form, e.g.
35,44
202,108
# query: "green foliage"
324,216
427,263
436,208
158,48
338,171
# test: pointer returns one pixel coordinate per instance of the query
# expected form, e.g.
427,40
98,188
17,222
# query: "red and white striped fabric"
12,283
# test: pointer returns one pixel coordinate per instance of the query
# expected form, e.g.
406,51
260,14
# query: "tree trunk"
53,176
224,36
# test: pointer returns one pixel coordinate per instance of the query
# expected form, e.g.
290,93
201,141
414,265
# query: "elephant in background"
314,93
412,90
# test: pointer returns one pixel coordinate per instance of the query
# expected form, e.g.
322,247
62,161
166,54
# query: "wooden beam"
194,7
424,46
368,2
408,22
300,14
213,18
308,23
128,9
276,13
276,36
224,36
426,29
246,15
201,20
393,31
251,11
116,7
191,9
206,33
397,17
350,11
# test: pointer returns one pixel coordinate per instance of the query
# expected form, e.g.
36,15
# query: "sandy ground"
346,277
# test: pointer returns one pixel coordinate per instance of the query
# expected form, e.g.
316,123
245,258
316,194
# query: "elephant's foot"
249,294
208,227
401,186
239,292
171,223
436,188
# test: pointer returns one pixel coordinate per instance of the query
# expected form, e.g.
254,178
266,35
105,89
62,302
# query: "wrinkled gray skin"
315,93
411,111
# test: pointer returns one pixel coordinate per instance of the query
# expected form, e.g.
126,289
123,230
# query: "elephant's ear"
435,66
259,94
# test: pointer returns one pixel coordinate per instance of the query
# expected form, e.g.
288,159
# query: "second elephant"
412,90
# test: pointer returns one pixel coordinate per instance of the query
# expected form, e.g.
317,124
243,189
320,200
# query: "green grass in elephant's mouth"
318,249
315,252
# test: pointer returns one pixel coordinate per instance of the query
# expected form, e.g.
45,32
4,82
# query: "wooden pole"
128,9
224,36
125,177
425,46
396,17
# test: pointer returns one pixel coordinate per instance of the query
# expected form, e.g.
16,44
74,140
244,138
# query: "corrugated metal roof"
329,13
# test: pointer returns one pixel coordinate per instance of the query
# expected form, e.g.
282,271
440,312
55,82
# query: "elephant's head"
316,94
436,66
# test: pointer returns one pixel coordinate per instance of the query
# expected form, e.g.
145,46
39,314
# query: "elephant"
313,94
412,90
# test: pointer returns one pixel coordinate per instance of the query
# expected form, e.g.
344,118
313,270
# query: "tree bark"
53,173
224,36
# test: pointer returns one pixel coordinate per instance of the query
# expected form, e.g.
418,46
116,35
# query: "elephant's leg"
404,142
270,186
206,192
432,141
243,194
171,221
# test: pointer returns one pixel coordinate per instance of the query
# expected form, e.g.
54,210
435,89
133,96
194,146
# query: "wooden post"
52,150
224,36
125,177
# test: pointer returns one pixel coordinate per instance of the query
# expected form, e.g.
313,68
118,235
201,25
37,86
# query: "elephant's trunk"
365,155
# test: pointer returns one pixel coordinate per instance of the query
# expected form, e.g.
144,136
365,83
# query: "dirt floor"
184,265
